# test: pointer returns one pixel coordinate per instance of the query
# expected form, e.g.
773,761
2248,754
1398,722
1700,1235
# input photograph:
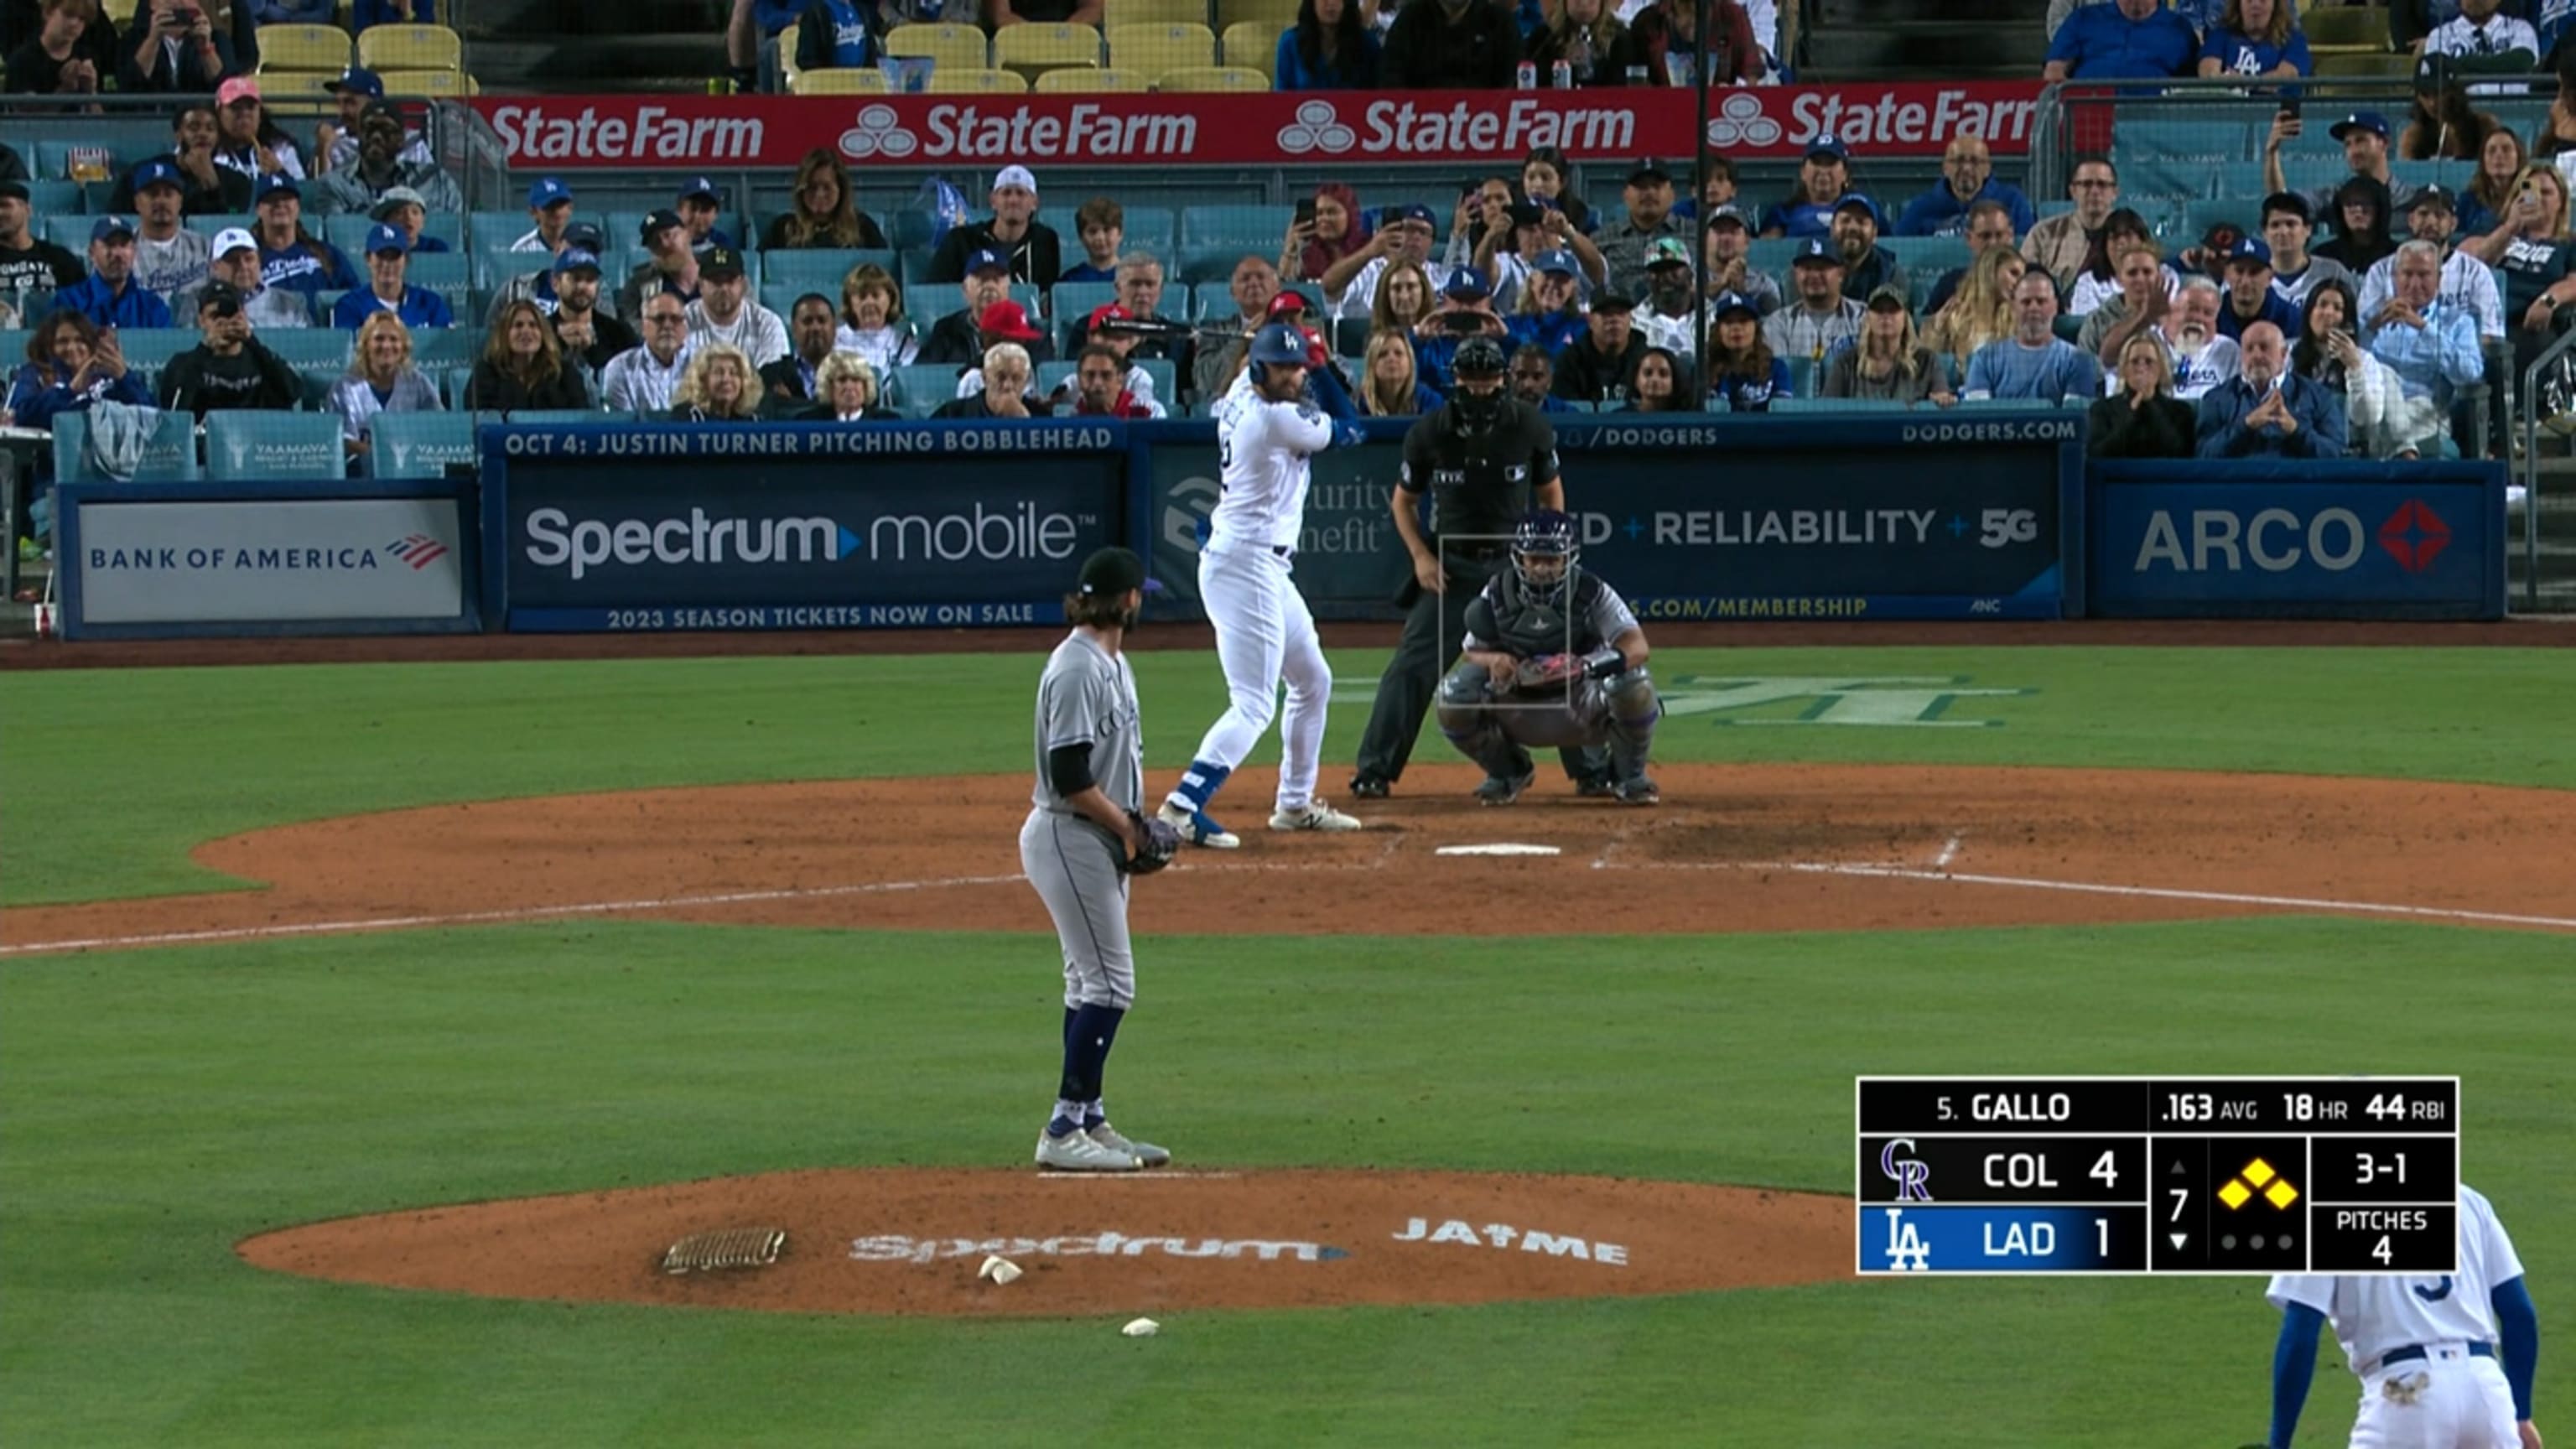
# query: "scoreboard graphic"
2172,1175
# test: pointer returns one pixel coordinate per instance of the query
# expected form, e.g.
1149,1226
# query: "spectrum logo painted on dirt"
898,1248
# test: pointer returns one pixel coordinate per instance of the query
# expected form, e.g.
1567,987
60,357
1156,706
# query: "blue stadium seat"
1833,405
317,352
917,389
419,445
552,415
1167,386
1052,375
68,231
1771,255
1154,229
908,230
170,456
50,198
13,349
1933,254
819,270
218,221
449,274
151,348
272,446
1076,301
1214,238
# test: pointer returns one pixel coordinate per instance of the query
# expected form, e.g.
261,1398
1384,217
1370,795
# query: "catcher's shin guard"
1634,709
1468,720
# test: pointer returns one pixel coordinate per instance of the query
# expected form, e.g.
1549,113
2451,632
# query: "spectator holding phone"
228,368
2364,135
1544,173
1324,229
177,51
70,364
1466,310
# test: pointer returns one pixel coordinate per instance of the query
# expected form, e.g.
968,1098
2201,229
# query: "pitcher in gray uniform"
1552,657
1083,841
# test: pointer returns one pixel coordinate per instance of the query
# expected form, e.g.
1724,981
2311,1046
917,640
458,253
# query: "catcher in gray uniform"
1083,840
1552,656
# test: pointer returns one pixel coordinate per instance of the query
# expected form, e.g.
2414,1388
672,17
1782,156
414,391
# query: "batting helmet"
1478,357
1544,533
1277,343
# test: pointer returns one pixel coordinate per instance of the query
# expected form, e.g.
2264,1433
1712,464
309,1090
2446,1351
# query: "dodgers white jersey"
2373,1315
1262,448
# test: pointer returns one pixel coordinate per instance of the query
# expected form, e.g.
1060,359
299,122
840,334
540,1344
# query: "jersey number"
1225,453
2440,1290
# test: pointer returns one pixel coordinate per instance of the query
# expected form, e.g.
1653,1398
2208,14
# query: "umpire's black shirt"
1480,484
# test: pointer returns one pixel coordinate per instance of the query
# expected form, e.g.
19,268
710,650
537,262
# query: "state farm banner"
1908,118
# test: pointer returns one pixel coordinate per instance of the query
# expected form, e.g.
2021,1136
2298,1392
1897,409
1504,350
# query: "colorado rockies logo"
1908,1173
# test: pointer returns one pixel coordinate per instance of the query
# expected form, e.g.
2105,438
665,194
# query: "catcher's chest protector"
1527,628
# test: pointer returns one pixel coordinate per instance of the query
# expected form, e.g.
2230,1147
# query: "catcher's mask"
1543,553
1477,401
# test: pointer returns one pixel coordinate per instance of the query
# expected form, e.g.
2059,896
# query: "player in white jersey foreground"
1266,431
2445,1362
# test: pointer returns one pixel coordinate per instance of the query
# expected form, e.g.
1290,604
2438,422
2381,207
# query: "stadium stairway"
1892,39
634,45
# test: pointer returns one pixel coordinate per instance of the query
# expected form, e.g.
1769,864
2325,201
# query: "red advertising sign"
1909,118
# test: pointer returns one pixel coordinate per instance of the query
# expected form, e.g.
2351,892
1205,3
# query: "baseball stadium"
1572,624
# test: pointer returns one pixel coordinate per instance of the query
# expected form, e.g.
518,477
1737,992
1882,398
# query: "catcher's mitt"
1162,842
1546,671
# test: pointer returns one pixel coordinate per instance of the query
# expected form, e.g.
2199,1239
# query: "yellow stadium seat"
283,86
1154,49
953,47
842,81
2364,63
1031,49
1282,13
1253,45
944,81
303,47
428,83
2327,25
1079,78
1213,78
410,47
1115,13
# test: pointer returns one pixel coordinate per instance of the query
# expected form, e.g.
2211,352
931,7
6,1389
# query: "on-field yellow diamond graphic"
2281,1193
2235,1193
2276,1189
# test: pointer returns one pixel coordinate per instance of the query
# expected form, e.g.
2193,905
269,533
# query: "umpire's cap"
1278,343
1111,572
1478,357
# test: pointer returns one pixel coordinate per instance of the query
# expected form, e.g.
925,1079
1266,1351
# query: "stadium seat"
52,198
1050,376
428,82
2341,63
1932,255
389,48
273,446
975,83
1252,45
1075,301
1076,80
1281,13
288,86
1214,238
953,47
1833,405
419,445
840,80
316,352
215,223
1167,385
322,48
449,274
2328,25
922,386
1214,78
13,346
170,456
1152,229
1031,50
1154,12
149,348
447,347
1155,49
819,270
69,232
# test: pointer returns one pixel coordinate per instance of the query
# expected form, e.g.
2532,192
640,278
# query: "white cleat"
1314,815
1145,1153
1197,828
1078,1151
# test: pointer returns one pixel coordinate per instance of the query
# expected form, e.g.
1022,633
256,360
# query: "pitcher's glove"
1162,842
1544,672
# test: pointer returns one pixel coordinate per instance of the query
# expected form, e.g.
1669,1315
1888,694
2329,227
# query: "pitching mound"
910,1242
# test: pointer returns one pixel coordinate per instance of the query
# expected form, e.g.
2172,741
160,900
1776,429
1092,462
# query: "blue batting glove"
1347,434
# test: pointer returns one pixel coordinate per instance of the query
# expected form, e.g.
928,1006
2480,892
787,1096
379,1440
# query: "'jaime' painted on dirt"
1501,1235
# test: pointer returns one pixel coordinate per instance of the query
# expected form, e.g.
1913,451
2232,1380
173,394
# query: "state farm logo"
1741,121
2414,535
879,132
1318,127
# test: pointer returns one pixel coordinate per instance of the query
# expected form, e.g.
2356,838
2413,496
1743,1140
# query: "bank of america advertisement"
269,560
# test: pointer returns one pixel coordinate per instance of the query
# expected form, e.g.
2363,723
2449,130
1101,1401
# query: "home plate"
1498,847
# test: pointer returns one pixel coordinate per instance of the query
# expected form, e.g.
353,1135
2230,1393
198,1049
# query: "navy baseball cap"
1415,211
1817,250
702,188
13,190
1468,284
576,259
1606,300
1112,571
987,260
1726,303
547,191
1649,172
275,182
1828,148
1731,212
1854,201
656,223
720,263
2249,249
2371,121
1557,261
360,80
382,238
108,226
156,173
584,235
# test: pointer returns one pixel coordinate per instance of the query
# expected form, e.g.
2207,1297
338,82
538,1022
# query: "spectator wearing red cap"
1029,248
1006,365
173,49
248,139
955,338
1664,38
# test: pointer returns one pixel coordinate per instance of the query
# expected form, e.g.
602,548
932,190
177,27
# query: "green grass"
119,773
163,1105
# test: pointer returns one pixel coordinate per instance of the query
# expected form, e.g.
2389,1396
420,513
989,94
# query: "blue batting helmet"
1277,343
1544,533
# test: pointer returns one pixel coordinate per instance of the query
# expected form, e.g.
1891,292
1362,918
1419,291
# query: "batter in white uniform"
1264,634
2445,1362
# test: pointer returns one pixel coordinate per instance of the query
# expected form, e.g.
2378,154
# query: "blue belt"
2414,1351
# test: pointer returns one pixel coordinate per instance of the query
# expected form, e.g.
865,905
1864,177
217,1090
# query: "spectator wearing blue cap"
167,256
1819,318
1726,261
2250,298
700,205
1403,238
1466,310
2119,40
1824,179
1550,311
1534,231
1648,197
355,188
51,61
550,204
1740,366
406,211
208,188
1032,249
1867,266
1967,177
336,140
672,265
956,337
388,290
291,257
110,296
540,286
2364,135
584,332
